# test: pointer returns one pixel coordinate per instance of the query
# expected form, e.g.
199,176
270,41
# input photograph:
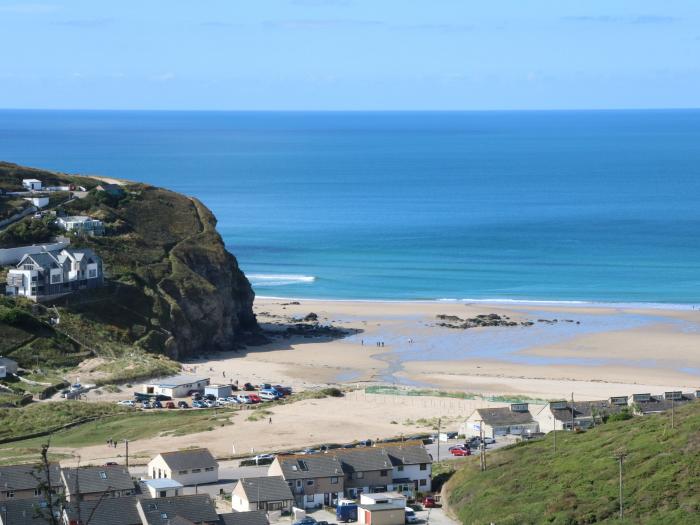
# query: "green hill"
528,483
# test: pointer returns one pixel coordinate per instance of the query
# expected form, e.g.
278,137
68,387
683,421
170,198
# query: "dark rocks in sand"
311,318
480,321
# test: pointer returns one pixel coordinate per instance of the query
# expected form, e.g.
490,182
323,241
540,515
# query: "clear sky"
349,54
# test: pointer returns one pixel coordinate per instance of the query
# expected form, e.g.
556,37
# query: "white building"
81,224
269,493
162,488
218,390
39,202
500,421
7,366
177,386
32,184
189,467
384,498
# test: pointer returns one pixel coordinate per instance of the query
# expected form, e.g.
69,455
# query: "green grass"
527,483
135,366
259,414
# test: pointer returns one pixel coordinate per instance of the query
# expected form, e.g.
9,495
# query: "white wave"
279,279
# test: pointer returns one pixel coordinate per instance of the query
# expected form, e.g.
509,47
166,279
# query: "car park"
182,404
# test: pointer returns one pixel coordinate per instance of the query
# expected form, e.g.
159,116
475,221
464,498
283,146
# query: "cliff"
172,287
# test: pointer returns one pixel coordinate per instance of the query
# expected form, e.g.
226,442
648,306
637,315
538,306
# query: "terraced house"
50,274
315,479
24,481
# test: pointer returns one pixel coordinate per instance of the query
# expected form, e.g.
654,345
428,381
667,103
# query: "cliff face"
172,287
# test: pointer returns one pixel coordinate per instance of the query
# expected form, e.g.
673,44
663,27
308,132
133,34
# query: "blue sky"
349,54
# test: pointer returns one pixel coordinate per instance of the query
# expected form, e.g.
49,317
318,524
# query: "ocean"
595,206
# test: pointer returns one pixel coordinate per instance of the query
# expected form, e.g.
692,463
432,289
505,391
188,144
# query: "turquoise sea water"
580,205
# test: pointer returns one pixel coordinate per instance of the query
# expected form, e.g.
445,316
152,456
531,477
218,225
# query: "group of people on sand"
378,343
111,443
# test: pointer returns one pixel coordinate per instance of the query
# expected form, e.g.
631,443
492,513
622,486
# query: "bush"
623,415
332,392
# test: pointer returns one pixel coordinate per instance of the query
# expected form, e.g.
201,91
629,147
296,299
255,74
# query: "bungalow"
89,483
32,184
392,498
50,274
644,404
177,386
253,517
315,479
561,415
262,493
81,225
196,508
23,481
515,419
105,511
189,467
380,514
39,202
161,488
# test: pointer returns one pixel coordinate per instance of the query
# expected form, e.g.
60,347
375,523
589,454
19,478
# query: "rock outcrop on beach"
479,321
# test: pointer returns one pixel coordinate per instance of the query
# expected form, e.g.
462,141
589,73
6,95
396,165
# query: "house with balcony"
366,470
51,274
412,467
81,225
645,404
565,415
315,479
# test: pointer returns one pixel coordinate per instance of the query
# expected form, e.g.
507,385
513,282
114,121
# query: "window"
424,466
92,274
196,470
11,494
334,481
298,483
384,473
310,498
55,278
400,468
208,469
423,482
310,482
103,475
359,475
182,472
37,492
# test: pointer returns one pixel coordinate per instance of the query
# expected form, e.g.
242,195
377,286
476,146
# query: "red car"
169,404
461,451
429,502
255,398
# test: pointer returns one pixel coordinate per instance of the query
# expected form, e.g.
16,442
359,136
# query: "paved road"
445,453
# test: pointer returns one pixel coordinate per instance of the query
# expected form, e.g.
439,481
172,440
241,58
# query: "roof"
503,416
189,459
363,459
269,488
97,479
25,477
5,361
304,466
379,507
660,404
54,258
253,517
107,511
175,381
31,180
76,218
407,453
25,512
162,483
196,508
586,409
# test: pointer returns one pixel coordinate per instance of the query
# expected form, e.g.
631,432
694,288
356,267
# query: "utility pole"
620,456
482,446
572,411
126,442
673,413
438,439
554,426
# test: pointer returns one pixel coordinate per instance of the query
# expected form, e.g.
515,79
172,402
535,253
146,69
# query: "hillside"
171,288
528,483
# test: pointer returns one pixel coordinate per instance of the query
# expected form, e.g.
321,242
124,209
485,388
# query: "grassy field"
528,483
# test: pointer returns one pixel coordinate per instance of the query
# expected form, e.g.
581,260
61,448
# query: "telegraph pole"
438,439
620,456
572,411
554,426
126,442
673,412
482,446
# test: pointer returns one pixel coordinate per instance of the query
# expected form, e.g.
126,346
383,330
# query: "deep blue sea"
568,205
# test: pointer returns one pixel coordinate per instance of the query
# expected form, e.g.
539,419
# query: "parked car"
222,401
198,404
269,395
197,396
110,464
452,435
410,515
263,458
127,403
157,404
461,451
465,445
191,393
169,404
210,397
209,403
255,398
489,441
234,388
182,404
308,520
234,400
139,397
145,405
244,399
248,387
429,502
286,390
163,397
264,386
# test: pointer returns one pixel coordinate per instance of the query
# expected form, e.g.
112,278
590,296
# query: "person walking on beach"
270,421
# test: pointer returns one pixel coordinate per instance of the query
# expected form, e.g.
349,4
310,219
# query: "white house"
218,390
189,467
7,366
39,202
412,467
499,421
177,386
32,184
81,224
269,493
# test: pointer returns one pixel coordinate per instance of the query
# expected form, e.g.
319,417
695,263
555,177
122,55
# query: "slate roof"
107,511
585,410
504,416
24,512
97,479
26,477
305,466
660,404
364,459
189,459
268,488
253,517
197,508
407,453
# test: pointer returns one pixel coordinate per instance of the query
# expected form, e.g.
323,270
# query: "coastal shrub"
332,392
623,415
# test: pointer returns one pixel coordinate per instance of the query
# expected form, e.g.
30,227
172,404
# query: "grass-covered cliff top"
528,483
